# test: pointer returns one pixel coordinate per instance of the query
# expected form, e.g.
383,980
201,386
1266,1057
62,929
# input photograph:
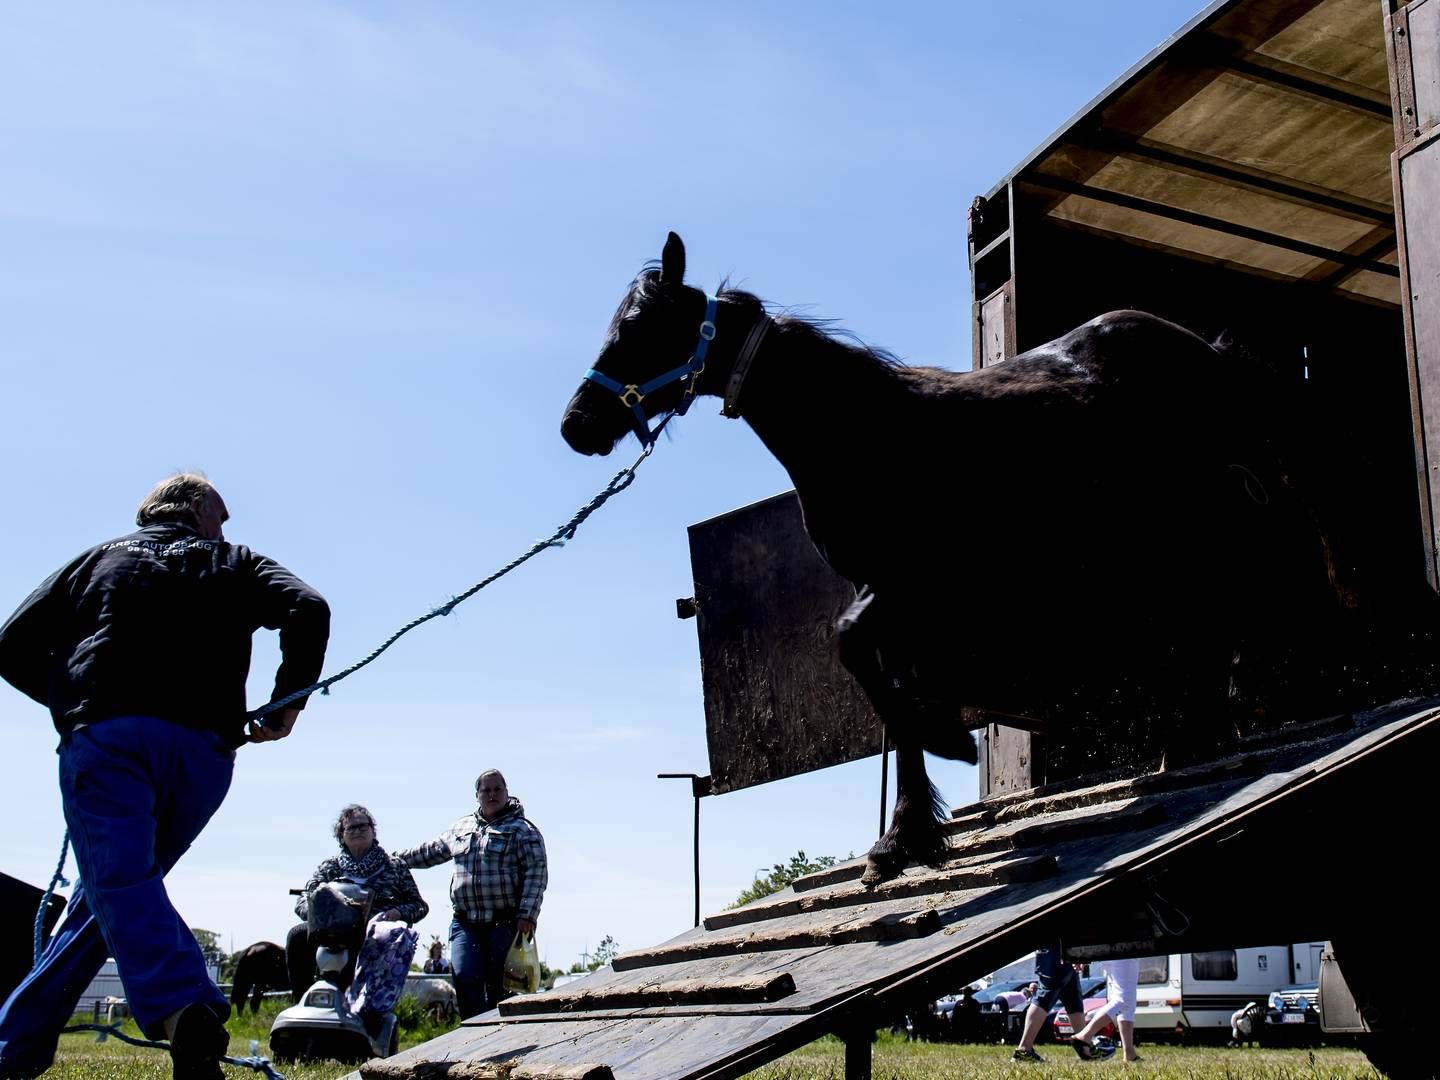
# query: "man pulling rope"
140,648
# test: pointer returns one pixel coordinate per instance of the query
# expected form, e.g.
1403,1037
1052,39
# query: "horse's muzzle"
583,435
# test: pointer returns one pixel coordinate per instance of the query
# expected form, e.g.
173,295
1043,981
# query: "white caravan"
1197,992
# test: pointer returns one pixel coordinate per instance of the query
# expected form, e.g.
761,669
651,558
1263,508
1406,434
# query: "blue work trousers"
136,792
477,960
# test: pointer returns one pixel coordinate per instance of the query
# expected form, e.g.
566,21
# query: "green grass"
81,1058
899,1060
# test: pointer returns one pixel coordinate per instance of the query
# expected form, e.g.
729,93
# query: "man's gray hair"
173,499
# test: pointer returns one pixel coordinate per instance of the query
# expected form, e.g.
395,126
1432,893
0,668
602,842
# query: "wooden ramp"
1167,861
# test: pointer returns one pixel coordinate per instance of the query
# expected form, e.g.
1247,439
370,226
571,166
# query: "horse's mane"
646,286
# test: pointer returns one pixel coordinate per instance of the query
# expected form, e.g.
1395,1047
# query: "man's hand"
274,726
525,926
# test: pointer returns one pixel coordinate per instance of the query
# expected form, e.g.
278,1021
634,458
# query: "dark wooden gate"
777,701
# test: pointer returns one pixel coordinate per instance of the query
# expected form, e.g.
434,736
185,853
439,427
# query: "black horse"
260,967
1097,536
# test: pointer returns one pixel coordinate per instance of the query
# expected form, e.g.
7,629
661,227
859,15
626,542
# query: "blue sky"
351,260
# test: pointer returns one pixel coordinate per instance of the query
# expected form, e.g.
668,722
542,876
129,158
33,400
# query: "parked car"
1293,1014
1058,1023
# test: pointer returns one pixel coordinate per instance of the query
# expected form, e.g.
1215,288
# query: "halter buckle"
631,395
707,330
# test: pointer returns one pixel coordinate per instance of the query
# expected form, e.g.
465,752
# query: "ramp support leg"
857,1053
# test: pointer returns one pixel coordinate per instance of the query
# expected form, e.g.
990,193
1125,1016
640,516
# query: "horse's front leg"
869,649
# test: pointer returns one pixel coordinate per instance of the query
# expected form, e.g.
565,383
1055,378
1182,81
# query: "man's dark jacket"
158,623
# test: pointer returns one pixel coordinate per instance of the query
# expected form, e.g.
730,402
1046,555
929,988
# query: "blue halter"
634,396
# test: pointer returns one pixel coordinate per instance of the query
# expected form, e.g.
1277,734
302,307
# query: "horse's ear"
672,261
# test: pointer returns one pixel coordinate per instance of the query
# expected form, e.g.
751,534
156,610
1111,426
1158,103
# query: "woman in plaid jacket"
496,888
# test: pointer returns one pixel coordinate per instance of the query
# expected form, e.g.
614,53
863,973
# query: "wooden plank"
385,1069
890,927
1210,222
1010,871
1241,175
711,991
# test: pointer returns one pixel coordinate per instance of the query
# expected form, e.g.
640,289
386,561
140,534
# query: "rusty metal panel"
777,700
997,327
1413,36
1423,17
1006,760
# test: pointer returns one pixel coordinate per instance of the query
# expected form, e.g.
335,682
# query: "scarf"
366,866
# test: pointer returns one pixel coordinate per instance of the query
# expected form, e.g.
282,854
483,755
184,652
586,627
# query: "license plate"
1292,1018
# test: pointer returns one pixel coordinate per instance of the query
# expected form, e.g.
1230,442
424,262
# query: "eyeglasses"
360,827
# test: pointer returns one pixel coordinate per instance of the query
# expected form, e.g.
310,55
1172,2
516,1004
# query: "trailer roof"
1258,136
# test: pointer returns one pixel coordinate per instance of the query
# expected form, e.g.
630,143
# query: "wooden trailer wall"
1239,182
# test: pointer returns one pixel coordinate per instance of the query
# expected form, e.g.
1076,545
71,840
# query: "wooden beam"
1276,73
384,1069
1239,175
735,990
1205,221
897,926
988,875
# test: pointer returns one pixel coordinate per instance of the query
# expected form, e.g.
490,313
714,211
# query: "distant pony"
261,967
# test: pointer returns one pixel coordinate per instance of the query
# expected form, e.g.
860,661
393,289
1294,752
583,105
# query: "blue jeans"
477,958
136,792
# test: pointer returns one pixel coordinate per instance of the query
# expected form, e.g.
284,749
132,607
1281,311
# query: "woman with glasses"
361,861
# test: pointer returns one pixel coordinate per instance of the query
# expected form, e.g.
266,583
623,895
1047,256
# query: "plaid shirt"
500,867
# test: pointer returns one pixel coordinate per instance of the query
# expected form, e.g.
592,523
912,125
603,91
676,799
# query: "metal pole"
697,858
699,787
884,775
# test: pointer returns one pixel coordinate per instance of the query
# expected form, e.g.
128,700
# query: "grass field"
81,1058
898,1060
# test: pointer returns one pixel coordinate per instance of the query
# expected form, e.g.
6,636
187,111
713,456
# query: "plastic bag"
522,966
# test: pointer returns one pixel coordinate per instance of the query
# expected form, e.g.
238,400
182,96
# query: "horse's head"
645,366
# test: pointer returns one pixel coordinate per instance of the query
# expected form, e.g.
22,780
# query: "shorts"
1120,979
1058,982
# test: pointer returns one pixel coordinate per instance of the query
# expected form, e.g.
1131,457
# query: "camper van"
1196,993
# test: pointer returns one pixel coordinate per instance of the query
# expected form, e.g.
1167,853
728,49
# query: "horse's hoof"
882,866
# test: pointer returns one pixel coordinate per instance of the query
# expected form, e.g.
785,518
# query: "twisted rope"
618,483
112,1031
56,879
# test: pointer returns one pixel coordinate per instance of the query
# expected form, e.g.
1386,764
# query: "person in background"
435,963
361,861
140,648
965,1017
1058,981
1121,977
497,885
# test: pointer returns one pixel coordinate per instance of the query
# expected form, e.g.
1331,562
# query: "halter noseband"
632,395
